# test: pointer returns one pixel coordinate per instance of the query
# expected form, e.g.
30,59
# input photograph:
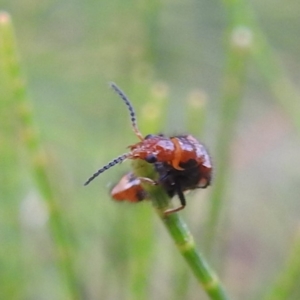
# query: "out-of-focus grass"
238,46
70,50
10,182
288,278
38,161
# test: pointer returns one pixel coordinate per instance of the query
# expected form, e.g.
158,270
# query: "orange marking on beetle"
177,154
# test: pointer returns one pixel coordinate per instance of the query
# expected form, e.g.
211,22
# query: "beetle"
181,162
130,188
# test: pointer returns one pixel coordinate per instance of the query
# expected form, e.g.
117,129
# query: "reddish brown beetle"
181,162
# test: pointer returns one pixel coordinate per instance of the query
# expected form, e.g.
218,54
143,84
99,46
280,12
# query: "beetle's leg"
181,198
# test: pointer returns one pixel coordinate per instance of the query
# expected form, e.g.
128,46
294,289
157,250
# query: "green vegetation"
223,71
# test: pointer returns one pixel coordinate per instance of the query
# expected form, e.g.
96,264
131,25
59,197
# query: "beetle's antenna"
107,166
130,108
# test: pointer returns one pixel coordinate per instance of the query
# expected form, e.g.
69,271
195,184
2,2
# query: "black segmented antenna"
108,166
130,108
135,129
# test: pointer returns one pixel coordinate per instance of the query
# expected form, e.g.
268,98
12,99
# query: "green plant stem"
196,111
289,277
12,258
239,43
181,235
38,160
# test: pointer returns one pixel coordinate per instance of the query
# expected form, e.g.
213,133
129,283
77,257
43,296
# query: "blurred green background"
174,59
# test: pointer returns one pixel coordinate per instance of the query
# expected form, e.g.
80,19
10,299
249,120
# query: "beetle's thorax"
161,147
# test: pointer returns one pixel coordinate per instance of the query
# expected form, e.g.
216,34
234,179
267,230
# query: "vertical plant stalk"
38,160
289,277
239,42
12,258
196,111
281,87
181,235
268,64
